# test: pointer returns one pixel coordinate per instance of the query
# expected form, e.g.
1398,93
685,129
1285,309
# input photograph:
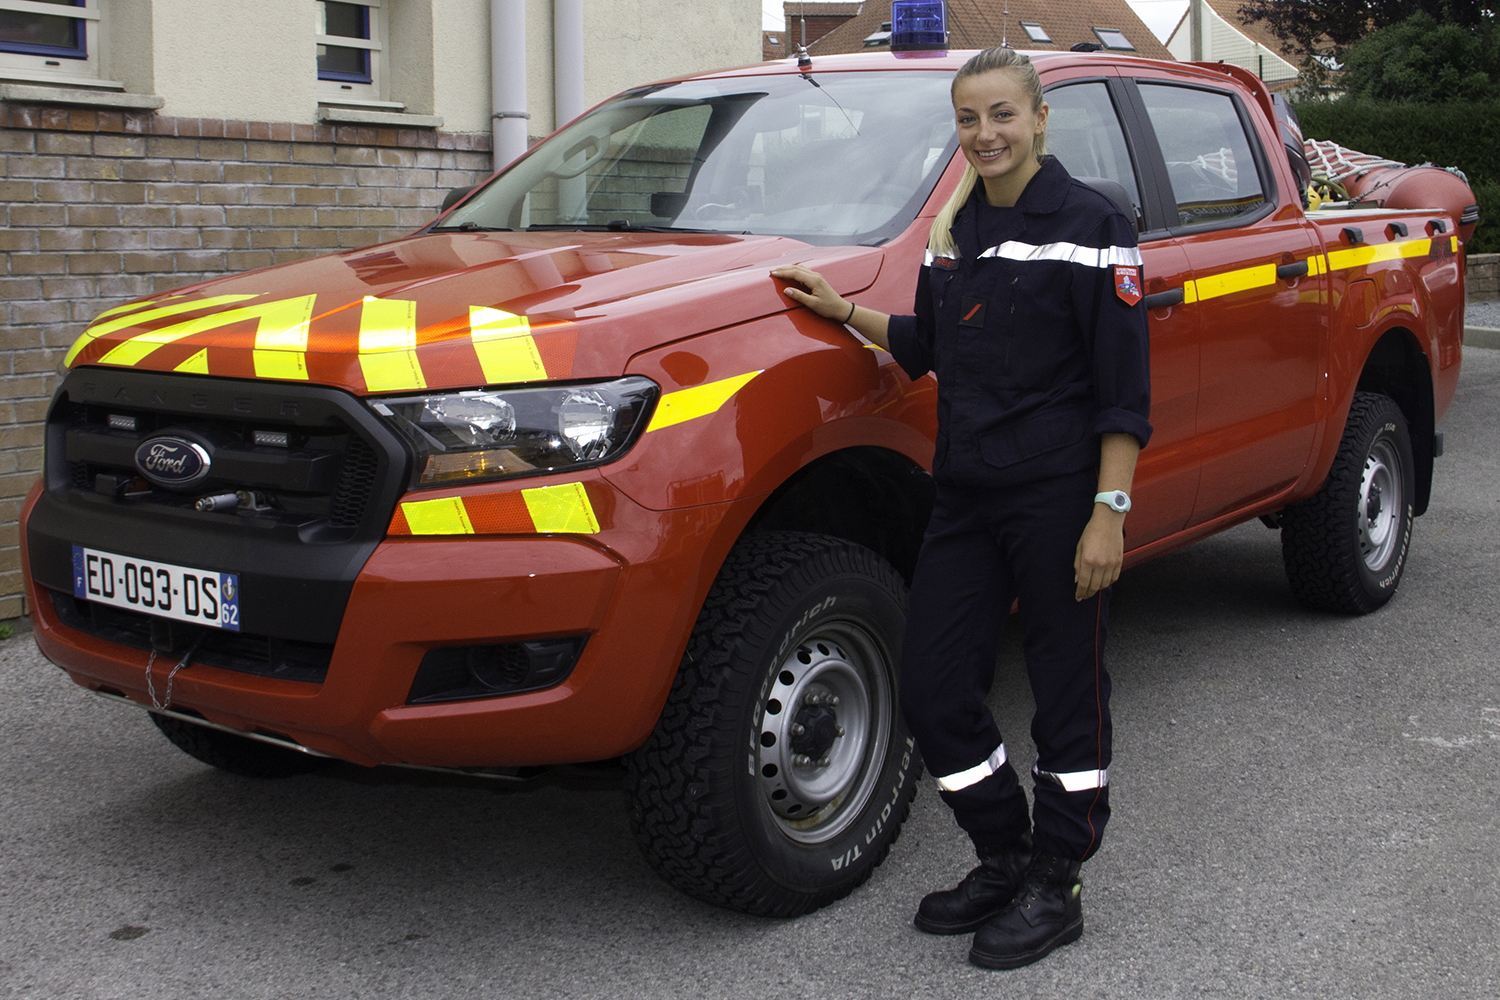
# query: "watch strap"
1116,500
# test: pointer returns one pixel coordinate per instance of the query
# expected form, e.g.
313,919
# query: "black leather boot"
1046,914
982,893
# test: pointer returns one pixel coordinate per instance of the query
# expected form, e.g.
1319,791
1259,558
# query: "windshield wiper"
471,227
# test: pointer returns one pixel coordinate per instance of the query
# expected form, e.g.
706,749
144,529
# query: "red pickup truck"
564,478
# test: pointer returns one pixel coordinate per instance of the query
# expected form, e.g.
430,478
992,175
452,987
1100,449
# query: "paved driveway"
1304,805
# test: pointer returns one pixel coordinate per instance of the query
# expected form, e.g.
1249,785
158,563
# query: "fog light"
461,673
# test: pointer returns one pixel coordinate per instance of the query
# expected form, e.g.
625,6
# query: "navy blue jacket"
1037,346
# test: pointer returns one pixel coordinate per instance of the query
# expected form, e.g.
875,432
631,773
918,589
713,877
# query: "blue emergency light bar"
918,24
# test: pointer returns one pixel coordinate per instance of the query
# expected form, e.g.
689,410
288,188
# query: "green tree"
1423,59
1321,30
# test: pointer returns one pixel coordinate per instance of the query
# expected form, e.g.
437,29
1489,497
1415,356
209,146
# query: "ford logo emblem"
172,461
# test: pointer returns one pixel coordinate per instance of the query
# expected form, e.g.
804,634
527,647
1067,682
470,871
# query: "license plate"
184,594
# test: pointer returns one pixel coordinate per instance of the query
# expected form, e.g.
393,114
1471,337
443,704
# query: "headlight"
493,433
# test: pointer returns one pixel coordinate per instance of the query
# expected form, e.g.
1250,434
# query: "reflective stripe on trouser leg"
960,596
963,779
1072,781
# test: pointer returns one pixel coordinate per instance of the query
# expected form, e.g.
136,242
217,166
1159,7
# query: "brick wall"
103,207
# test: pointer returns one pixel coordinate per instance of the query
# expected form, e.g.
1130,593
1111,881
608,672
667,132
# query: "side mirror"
454,197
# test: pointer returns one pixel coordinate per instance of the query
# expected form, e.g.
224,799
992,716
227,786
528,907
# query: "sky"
1161,16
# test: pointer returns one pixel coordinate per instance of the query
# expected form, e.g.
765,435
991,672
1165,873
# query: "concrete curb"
1481,336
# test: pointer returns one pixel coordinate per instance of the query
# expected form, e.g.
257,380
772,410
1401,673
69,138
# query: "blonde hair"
939,239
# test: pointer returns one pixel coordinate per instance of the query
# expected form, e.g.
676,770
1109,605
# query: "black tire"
798,628
236,754
1345,548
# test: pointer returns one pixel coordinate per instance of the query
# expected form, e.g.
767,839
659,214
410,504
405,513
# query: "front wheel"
781,771
1345,548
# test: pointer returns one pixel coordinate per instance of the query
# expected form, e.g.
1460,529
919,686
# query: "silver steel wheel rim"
838,670
1380,506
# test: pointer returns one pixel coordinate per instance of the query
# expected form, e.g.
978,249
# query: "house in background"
812,19
1229,37
1021,24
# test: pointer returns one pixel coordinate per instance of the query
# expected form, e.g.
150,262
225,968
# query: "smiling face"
997,130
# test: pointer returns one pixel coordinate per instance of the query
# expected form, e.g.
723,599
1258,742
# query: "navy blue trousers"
983,550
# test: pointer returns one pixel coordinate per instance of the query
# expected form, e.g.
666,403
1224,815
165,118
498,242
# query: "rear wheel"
781,771
236,754
1345,548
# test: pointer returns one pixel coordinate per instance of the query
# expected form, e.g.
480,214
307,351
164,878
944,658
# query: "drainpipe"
508,79
567,59
567,97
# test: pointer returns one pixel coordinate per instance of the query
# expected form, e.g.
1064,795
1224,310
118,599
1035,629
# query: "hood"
458,310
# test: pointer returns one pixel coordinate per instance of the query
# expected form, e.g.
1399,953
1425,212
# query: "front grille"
262,655
320,484
356,481
298,491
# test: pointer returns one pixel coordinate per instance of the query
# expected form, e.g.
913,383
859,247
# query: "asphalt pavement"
1304,805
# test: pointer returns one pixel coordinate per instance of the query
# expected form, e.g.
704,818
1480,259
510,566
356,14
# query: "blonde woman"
1028,310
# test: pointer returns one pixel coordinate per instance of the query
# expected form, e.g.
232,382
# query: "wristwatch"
1116,500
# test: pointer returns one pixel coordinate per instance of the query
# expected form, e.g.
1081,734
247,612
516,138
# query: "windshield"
826,158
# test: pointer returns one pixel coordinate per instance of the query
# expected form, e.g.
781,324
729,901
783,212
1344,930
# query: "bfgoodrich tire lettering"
236,754
780,771
1345,548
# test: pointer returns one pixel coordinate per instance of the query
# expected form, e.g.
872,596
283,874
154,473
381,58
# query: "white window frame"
1027,26
60,70
360,95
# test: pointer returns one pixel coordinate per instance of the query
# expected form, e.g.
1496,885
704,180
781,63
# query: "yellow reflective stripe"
388,345
438,517
1230,282
99,329
699,401
283,326
1189,292
1317,264
281,339
507,351
561,508
198,363
1342,260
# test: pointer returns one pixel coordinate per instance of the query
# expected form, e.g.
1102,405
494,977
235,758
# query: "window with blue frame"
29,27
344,41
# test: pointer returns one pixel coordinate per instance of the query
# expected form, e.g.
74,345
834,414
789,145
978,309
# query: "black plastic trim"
295,578
1160,300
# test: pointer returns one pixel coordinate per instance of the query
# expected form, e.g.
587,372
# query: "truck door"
1084,133
1258,290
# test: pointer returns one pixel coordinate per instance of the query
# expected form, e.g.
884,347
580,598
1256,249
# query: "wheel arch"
865,494
1398,367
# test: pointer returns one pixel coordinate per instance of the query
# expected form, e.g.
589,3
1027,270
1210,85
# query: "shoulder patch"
1128,283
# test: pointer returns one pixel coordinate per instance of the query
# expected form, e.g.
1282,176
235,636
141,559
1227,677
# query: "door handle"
1160,300
1296,270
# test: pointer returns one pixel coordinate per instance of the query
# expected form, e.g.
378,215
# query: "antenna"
1005,26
